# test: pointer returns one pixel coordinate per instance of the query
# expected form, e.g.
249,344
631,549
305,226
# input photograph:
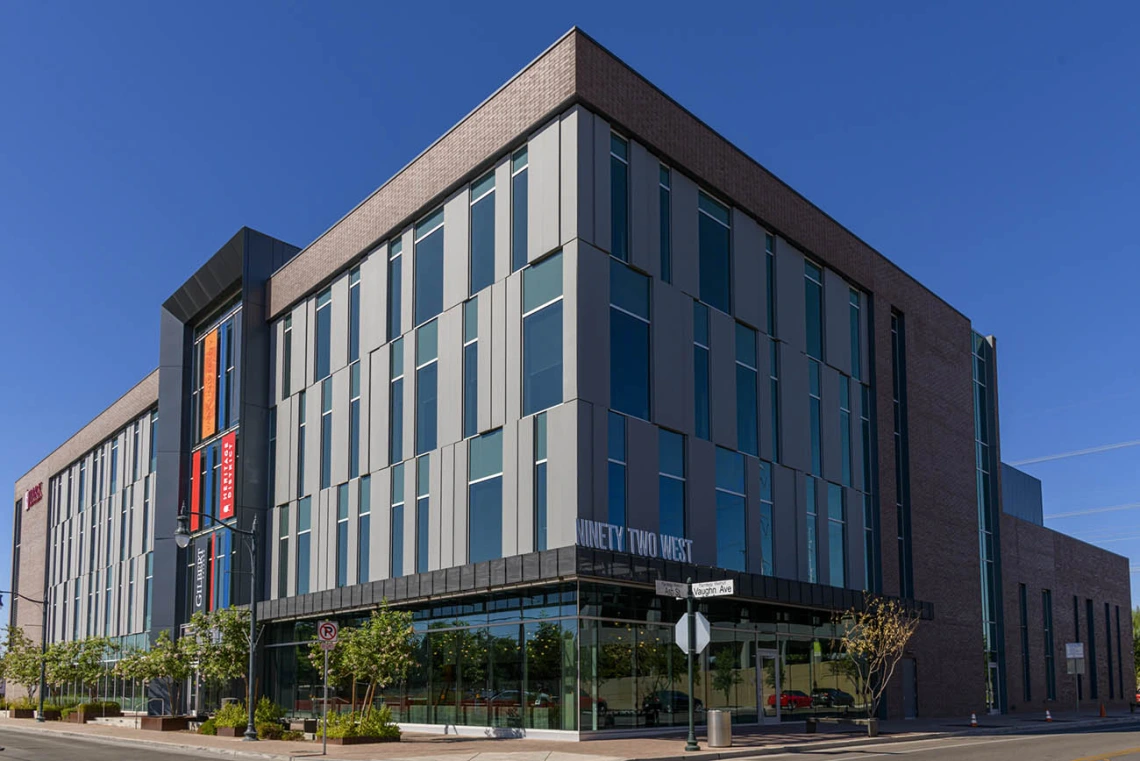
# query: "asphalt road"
1109,744
25,746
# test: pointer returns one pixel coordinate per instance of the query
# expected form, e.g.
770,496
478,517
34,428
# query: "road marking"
1106,756
894,749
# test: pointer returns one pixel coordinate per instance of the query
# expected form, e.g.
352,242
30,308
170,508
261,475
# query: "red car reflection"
791,699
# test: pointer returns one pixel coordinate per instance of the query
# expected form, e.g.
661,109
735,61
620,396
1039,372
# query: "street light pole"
249,538
43,644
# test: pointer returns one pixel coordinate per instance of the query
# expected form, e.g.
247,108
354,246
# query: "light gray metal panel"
276,332
686,244
510,529
137,539
513,357
339,470
456,227
284,479
299,373
821,538
484,391
435,512
380,552
749,290
722,381
312,464
378,375
789,524
374,300
600,453
524,529
856,556
764,395
568,470
837,322
790,316
502,219
363,435
672,358
642,487
352,572
602,217
407,276
459,510
450,394
795,417
701,515
832,446
409,394
570,299
644,210
338,350
857,453
752,552
593,339
446,506
577,175
544,230
498,352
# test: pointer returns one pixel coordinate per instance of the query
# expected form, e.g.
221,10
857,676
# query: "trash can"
720,728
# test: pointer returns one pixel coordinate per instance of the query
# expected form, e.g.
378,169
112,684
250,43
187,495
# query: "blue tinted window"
729,470
730,531
542,359
767,544
813,293
303,562
470,389
364,531
665,219
671,483
836,540
429,268
619,198
616,476
701,369
342,553
812,549
485,497
486,455
397,501
423,489
395,289
483,233
629,341
396,403
427,381
354,315
323,339
542,282
326,433
540,481
714,235
747,413
519,210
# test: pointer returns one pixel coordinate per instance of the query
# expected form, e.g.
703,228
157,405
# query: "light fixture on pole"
249,538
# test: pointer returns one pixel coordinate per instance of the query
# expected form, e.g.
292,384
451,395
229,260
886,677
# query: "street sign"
1076,665
327,631
1074,649
672,589
328,645
681,633
713,588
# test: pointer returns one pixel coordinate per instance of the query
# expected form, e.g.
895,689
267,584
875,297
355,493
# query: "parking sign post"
691,742
327,633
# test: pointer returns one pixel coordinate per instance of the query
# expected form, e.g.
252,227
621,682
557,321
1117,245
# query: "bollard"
973,720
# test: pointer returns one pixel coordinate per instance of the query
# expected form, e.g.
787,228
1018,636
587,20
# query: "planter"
231,731
361,740
22,713
308,726
165,723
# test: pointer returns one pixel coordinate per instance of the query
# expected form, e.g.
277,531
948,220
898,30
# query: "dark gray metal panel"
830,441
749,290
514,569
856,565
672,358
641,476
837,321
722,379
701,510
785,520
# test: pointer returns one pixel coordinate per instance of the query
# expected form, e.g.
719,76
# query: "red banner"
195,489
229,456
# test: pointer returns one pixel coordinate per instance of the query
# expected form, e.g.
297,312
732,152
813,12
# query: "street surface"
24,746
1109,744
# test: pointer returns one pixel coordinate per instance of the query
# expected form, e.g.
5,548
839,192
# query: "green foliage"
168,660
208,727
374,723
725,673
219,641
21,661
232,715
269,730
1136,644
267,711
292,735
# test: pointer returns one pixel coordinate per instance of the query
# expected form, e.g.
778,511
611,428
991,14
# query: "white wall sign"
599,535
1074,649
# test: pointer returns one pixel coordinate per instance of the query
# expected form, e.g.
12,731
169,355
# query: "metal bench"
812,724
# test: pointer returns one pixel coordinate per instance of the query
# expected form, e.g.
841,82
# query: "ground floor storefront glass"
585,656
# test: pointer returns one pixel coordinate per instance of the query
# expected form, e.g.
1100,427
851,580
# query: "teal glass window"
747,411
482,271
429,267
671,483
542,335
629,341
715,232
485,497
619,198
730,506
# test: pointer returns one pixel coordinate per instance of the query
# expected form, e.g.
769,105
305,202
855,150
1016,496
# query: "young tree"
220,643
381,652
169,660
89,666
1136,645
874,638
725,674
21,661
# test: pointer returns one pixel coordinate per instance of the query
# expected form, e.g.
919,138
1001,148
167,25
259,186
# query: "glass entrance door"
768,684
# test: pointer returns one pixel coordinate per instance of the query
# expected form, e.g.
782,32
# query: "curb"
168,746
856,742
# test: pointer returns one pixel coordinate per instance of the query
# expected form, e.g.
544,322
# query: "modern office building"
579,344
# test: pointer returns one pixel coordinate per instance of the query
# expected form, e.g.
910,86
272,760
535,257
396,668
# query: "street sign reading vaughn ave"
713,588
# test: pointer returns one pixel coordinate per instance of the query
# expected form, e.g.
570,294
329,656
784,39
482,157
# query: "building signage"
599,535
209,384
229,455
714,588
676,589
1074,649
33,495
201,579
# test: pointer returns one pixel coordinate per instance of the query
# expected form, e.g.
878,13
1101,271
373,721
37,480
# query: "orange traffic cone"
1048,716
973,720
1102,713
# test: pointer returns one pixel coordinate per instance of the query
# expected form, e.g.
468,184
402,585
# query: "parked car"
586,703
791,700
831,697
669,701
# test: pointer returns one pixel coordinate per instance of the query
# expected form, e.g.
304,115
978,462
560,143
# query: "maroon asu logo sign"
34,495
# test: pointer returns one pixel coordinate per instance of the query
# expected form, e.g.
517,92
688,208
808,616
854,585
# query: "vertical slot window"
428,278
482,272
619,197
629,341
423,513
470,368
396,402
540,517
715,232
395,288
747,424
323,339
519,208
671,482
427,387
542,335
730,501
397,533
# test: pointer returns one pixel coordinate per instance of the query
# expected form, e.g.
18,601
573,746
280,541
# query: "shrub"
292,735
267,712
232,715
209,727
375,723
269,730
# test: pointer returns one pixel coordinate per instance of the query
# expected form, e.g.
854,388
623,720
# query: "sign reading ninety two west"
648,544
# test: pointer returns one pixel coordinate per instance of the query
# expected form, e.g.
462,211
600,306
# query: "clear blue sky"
990,149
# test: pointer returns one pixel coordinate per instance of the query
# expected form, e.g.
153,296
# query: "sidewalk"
748,742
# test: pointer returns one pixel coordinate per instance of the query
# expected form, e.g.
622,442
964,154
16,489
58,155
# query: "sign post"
691,741
1075,655
327,633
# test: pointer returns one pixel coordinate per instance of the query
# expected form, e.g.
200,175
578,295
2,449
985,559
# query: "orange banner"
210,384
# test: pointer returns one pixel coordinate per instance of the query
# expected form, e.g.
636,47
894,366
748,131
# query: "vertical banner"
210,384
199,585
195,489
229,455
